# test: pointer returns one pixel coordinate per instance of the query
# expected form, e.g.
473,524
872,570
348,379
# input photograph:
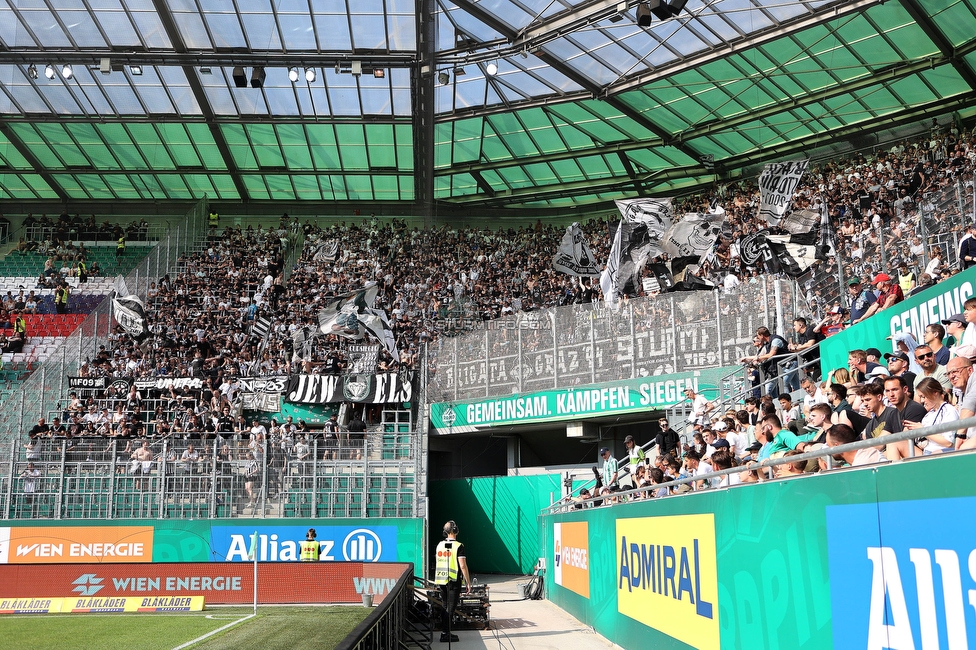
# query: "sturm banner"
777,183
384,388
270,384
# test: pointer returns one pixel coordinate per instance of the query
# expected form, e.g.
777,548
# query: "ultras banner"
363,389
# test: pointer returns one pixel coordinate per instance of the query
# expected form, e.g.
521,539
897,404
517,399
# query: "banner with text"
614,398
106,587
816,563
911,315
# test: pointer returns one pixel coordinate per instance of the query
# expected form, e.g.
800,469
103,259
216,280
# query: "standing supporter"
889,294
610,473
635,456
833,322
700,408
861,299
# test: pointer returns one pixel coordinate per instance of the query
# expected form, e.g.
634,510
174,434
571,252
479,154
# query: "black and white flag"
573,256
685,271
777,184
792,258
260,328
799,222
635,241
328,251
352,315
130,313
695,234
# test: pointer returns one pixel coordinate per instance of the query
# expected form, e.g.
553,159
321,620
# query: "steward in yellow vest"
309,551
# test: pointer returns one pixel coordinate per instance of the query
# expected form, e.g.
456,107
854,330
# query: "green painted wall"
498,518
809,563
913,315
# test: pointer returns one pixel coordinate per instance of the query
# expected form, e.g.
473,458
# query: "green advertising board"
214,540
878,557
578,402
910,315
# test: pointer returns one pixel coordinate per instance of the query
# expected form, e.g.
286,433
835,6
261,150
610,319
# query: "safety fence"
576,345
98,478
389,625
47,384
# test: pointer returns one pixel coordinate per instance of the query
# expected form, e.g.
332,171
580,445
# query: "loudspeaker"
240,77
644,15
660,8
257,77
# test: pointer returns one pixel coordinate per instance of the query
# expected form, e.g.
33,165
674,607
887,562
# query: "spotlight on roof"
257,77
293,74
458,71
356,68
240,77
206,70
379,73
309,75
66,71
49,72
135,70
32,71
663,9
491,69
443,78
105,65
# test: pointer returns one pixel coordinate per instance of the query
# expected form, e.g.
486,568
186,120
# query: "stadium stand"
437,285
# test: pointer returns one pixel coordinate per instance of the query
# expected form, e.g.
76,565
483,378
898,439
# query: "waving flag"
777,184
573,256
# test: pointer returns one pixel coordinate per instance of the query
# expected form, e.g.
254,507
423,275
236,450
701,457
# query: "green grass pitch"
273,627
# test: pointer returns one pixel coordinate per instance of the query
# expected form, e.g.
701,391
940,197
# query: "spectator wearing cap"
833,322
889,294
873,355
932,337
898,363
956,327
861,299
610,473
635,455
926,359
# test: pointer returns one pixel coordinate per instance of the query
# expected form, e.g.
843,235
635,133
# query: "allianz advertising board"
282,543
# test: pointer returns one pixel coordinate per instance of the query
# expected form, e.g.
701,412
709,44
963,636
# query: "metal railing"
936,221
383,629
98,478
767,465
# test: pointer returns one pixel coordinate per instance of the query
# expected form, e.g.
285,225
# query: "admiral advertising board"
106,587
881,557
667,576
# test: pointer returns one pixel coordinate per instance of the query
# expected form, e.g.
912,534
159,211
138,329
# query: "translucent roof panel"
517,103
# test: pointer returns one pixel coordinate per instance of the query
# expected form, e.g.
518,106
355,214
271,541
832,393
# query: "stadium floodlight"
135,70
49,71
66,71
309,75
444,78
491,69
32,71
293,74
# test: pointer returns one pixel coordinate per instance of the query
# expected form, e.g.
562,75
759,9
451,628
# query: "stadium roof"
394,102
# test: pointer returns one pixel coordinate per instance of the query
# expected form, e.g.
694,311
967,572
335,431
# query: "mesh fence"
98,478
586,344
47,384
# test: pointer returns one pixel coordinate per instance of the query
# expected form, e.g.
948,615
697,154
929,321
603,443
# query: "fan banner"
130,313
777,184
799,222
383,388
574,257
695,234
